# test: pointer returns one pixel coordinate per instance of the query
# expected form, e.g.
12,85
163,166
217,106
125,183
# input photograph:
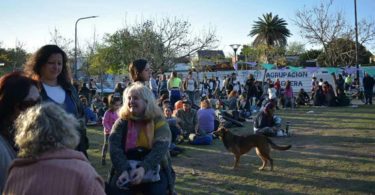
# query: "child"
90,116
110,116
175,130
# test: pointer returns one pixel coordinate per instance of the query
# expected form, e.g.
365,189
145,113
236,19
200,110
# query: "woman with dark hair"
163,86
140,71
264,122
119,90
49,66
17,92
288,95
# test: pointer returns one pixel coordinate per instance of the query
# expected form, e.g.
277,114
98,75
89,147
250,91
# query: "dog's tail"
274,146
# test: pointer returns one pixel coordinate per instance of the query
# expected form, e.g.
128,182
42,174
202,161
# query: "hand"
122,179
137,175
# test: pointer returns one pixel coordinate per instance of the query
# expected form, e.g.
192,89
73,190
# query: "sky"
31,22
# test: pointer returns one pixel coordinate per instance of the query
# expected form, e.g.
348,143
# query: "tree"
343,53
295,48
64,43
321,27
270,30
159,42
13,58
311,54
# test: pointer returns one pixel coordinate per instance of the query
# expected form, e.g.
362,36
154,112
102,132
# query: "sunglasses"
29,103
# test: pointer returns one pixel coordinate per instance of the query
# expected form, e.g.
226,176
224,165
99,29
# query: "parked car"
106,90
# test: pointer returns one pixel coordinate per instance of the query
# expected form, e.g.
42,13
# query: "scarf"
141,133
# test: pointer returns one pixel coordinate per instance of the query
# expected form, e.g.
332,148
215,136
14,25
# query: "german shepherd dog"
240,145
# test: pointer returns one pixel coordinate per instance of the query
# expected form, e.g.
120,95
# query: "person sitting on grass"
265,123
232,100
302,98
176,131
319,96
206,118
329,94
242,107
90,116
187,119
342,99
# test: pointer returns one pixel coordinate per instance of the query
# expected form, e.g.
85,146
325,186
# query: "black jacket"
368,83
80,115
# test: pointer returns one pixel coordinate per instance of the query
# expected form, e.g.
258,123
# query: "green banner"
332,70
268,66
295,68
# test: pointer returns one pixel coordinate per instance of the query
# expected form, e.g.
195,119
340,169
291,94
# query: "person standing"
12,102
251,91
47,163
109,118
288,94
348,82
190,86
140,71
174,87
49,66
368,85
153,86
163,86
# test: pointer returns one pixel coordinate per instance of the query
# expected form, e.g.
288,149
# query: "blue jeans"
174,96
191,95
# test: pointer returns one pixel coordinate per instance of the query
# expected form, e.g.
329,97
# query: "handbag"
151,175
135,157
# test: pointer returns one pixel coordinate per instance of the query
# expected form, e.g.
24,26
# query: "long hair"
14,88
136,69
152,109
112,99
34,65
287,84
43,128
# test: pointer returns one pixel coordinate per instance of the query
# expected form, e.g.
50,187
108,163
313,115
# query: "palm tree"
270,30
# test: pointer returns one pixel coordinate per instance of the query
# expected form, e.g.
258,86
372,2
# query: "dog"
240,145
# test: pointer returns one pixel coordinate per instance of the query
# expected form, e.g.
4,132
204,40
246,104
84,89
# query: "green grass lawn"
333,152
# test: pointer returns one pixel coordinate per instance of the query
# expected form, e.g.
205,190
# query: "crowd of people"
43,118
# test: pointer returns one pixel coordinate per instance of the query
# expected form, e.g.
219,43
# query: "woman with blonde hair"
47,160
138,146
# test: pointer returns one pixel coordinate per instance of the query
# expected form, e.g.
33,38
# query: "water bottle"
287,127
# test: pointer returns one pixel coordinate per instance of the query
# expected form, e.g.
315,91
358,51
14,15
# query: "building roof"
209,54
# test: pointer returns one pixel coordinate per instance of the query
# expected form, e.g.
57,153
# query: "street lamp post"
235,48
356,38
75,44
